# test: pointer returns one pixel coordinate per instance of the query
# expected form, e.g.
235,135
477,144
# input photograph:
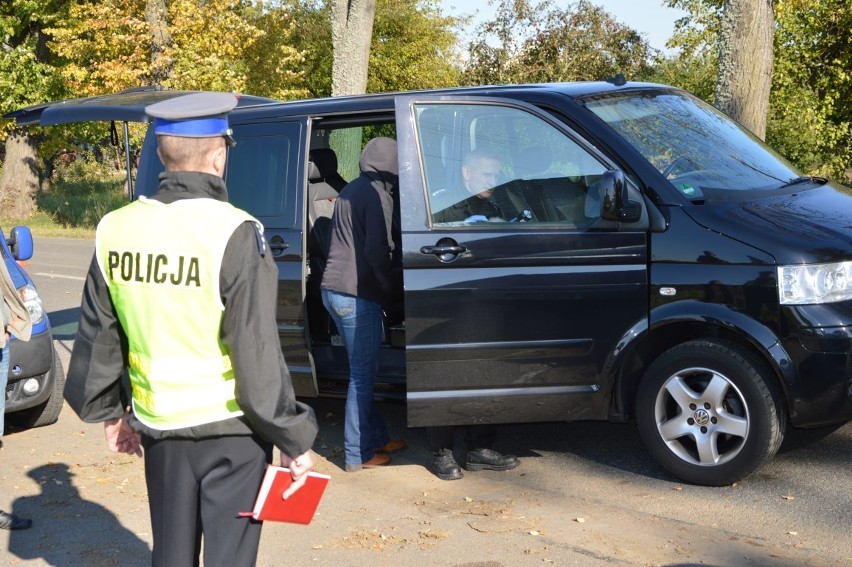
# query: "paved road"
585,494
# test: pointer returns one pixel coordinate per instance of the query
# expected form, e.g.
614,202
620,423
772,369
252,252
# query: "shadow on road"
62,532
609,448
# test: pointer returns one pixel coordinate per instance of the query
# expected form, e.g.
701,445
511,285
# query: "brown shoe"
392,446
378,460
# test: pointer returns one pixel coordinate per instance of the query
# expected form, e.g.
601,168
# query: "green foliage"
28,70
546,43
810,119
276,67
312,38
697,35
107,45
696,74
413,47
83,192
810,114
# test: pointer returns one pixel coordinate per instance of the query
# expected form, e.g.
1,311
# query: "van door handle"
277,245
439,250
445,249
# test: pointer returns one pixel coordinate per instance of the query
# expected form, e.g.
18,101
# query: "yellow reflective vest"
163,277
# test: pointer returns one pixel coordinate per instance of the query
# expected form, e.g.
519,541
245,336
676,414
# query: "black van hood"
805,227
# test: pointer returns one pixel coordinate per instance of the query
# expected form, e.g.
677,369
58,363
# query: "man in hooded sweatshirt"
359,278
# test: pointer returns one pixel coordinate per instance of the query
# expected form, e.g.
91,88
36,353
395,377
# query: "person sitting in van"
359,278
480,171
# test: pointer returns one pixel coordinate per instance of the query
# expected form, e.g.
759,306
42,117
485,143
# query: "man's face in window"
480,176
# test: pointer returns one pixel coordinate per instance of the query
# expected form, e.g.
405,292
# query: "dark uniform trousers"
196,484
475,436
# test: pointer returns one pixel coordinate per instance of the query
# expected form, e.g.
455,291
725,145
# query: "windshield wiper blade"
804,179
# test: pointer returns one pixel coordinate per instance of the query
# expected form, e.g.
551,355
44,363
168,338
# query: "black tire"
48,411
710,412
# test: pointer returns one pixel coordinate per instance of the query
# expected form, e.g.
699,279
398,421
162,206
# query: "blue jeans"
4,377
359,322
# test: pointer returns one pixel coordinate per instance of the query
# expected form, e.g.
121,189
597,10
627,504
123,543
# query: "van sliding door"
264,177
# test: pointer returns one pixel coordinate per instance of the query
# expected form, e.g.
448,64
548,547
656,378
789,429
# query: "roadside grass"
42,223
72,203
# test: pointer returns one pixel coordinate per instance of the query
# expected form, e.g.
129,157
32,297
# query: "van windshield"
704,154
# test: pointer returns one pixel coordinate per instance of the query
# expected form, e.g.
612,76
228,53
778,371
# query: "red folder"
299,508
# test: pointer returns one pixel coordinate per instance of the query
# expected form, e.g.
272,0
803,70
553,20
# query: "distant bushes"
81,191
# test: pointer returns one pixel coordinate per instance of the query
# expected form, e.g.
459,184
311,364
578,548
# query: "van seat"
324,184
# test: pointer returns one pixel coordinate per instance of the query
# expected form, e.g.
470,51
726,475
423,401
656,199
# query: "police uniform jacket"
248,283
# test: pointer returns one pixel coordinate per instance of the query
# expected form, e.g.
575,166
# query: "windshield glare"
705,155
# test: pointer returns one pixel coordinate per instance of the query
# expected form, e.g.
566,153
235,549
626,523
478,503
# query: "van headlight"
32,301
815,283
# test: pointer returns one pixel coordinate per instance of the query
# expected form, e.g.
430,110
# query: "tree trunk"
156,15
19,180
351,33
745,62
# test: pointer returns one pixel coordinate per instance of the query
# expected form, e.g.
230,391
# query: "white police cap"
197,115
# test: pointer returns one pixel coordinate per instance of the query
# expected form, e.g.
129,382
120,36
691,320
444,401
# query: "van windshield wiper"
804,179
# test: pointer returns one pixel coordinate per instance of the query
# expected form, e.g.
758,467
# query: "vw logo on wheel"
702,417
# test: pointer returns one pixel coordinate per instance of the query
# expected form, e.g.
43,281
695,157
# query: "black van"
652,260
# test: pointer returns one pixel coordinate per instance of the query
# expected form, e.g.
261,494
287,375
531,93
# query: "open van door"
261,177
510,317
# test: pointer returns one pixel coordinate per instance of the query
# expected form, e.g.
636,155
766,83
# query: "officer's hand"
121,438
476,218
299,467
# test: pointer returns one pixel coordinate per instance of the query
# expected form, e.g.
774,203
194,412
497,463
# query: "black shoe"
445,466
12,522
488,459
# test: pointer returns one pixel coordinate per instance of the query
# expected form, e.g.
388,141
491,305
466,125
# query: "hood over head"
379,164
379,159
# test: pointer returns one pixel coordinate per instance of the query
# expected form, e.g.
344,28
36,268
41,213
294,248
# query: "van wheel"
709,412
48,411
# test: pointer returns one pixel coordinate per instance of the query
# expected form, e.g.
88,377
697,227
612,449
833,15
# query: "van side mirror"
615,204
20,242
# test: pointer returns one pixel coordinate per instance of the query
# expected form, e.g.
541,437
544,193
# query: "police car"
36,378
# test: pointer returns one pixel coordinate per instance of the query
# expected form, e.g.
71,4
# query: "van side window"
257,176
495,164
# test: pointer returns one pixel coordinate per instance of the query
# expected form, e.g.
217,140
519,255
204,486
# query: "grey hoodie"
359,258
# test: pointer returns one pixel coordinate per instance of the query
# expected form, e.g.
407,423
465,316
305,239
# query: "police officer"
181,294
